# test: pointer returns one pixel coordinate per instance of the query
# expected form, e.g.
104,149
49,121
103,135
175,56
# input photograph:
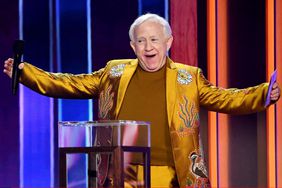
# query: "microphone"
18,48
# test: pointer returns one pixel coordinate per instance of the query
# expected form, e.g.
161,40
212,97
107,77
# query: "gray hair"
154,18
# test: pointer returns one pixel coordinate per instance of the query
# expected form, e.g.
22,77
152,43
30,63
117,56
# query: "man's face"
151,45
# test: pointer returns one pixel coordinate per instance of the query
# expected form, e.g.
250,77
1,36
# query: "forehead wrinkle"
150,37
157,32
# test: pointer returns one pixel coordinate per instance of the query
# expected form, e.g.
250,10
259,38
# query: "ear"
133,46
169,43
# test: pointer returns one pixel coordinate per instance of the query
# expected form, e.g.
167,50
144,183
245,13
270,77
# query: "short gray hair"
152,17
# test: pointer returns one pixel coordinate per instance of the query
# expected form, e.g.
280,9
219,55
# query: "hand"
8,67
275,92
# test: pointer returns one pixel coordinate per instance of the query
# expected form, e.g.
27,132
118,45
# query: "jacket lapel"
124,81
171,76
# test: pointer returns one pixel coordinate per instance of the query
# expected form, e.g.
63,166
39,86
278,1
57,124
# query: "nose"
148,46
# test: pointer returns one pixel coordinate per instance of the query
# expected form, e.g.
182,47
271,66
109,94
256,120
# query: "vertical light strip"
140,7
88,140
21,137
58,53
21,19
51,38
52,143
223,127
166,9
89,54
212,71
21,95
270,113
278,44
58,38
51,100
275,107
166,14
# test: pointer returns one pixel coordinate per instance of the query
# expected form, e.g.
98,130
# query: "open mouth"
150,56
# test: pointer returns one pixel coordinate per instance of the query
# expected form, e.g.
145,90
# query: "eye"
154,39
140,41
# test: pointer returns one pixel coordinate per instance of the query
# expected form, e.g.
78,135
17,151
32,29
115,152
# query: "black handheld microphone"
18,48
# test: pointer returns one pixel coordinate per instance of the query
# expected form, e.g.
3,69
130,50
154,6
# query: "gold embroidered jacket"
186,90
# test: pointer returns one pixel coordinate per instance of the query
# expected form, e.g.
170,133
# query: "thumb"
21,66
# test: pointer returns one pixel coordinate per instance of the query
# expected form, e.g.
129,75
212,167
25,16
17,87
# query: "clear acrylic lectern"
111,147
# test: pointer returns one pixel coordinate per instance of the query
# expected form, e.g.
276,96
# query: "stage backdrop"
236,43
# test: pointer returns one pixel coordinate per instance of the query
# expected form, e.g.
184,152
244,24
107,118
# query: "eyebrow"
154,36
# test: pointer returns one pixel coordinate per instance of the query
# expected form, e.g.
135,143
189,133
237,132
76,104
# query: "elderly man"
156,89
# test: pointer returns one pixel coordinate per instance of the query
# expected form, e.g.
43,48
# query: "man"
154,88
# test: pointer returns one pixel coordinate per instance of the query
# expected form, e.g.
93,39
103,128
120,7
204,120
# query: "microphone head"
18,46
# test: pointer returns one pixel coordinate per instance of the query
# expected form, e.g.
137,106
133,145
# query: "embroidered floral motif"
189,182
184,77
198,170
105,102
189,116
234,91
117,71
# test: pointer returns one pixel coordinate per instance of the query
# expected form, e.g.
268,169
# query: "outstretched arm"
57,85
233,100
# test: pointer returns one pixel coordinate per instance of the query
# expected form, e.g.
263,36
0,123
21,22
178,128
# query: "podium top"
103,123
104,133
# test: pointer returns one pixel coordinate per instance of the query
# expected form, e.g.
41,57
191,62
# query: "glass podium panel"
112,147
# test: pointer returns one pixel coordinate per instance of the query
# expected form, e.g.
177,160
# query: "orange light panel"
211,64
270,114
279,104
223,126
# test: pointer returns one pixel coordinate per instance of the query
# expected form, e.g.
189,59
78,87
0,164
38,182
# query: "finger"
274,98
275,92
275,95
275,85
7,66
10,61
9,73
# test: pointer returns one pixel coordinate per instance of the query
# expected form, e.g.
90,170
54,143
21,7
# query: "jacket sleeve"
59,85
233,100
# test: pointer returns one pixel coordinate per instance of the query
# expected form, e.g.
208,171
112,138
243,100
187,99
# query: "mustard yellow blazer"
186,90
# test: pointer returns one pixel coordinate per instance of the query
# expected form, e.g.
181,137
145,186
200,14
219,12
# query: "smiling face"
150,45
